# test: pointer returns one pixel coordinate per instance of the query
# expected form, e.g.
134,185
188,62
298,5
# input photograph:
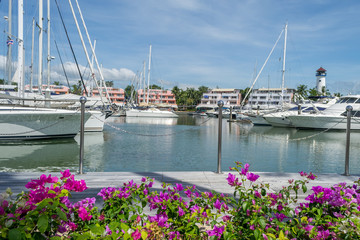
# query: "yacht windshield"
351,100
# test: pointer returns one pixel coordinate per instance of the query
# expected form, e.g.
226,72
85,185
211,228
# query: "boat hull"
150,113
18,123
96,122
324,122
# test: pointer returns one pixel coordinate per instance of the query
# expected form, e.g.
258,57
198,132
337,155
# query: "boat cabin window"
358,101
351,100
343,100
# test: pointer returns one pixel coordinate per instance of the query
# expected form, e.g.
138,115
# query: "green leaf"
61,214
43,223
304,188
262,223
144,235
14,234
257,234
124,227
263,192
96,229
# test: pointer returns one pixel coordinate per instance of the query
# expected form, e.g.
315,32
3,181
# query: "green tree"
128,91
243,93
313,92
57,83
76,89
154,86
109,83
2,81
302,90
337,94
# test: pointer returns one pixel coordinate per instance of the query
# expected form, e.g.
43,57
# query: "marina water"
187,143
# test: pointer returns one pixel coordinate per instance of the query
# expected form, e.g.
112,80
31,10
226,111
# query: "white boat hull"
21,123
150,113
96,122
258,120
324,122
278,121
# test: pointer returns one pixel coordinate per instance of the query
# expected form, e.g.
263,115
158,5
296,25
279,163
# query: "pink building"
117,95
157,96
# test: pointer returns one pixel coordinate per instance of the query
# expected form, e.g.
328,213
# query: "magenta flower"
245,169
217,231
136,235
84,215
252,177
217,204
65,174
181,212
231,179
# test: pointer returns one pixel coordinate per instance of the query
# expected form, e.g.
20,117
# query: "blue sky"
211,43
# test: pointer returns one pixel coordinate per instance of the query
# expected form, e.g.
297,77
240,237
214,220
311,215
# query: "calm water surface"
188,143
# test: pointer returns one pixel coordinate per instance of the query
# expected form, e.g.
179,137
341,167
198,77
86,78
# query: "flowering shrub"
134,211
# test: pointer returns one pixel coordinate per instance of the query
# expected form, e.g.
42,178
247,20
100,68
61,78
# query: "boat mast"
40,25
9,43
102,80
32,56
87,55
258,75
48,44
283,69
144,82
21,48
148,90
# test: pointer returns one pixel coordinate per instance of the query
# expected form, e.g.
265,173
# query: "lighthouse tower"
320,80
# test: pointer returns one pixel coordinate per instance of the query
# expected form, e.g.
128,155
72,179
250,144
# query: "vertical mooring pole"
299,109
220,104
231,113
82,129
348,126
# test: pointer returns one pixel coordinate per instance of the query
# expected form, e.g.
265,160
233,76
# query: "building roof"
321,69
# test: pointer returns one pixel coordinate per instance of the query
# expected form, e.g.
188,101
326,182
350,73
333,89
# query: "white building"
320,80
269,98
230,96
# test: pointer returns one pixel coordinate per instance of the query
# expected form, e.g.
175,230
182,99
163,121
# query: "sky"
212,43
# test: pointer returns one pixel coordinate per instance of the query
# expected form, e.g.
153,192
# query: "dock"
203,180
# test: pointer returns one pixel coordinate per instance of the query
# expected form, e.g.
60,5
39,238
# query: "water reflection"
188,143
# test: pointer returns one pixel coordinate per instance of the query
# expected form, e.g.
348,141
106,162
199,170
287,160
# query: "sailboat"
149,111
257,117
20,123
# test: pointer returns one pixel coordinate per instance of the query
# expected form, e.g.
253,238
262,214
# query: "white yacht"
150,112
23,123
334,117
280,119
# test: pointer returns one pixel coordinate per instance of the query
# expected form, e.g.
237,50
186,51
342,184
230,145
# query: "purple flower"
217,231
136,235
252,177
245,169
231,179
217,204
181,212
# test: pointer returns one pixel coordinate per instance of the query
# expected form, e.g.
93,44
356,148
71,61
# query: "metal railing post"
299,109
220,104
348,127
82,129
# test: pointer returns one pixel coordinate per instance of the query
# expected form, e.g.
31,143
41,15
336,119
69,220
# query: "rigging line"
72,50
62,64
307,137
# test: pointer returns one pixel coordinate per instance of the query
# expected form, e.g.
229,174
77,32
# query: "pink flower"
65,174
83,214
136,235
231,179
217,204
245,169
217,231
181,212
252,177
